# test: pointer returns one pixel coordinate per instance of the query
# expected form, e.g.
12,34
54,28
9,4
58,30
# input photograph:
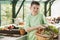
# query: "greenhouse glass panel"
6,14
18,5
32,0
21,10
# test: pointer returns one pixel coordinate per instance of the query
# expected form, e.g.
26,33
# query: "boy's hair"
35,2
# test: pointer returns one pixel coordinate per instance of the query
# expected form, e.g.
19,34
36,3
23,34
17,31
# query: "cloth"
32,21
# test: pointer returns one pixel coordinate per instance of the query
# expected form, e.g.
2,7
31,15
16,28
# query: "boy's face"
34,8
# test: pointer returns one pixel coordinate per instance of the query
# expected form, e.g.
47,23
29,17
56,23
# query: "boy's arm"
33,28
28,28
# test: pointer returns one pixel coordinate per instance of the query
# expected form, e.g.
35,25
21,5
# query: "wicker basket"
43,37
43,34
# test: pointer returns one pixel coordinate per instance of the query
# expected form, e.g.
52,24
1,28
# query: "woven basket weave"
43,37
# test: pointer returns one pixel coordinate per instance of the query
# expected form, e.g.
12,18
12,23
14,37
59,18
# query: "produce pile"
11,29
48,32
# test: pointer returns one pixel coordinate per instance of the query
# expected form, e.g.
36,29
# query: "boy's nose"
35,9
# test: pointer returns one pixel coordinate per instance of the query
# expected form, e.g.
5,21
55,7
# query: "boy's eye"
34,7
37,8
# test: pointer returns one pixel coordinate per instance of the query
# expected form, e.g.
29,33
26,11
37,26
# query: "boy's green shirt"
32,21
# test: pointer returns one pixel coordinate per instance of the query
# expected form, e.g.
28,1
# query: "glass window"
6,14
55,9
20,14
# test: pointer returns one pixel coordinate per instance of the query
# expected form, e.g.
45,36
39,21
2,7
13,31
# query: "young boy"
34,20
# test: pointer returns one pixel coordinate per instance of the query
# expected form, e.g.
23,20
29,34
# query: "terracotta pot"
22,32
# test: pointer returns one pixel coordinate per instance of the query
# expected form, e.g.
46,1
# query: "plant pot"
22,32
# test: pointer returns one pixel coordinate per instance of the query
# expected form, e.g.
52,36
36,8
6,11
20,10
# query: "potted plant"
22,31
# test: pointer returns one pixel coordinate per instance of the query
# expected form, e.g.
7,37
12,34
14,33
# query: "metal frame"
50,9
23,12
0,14
20,8
6,0
45,7
14,2
14,14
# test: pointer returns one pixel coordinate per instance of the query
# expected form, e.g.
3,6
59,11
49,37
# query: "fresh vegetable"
51,31
0,28
53,28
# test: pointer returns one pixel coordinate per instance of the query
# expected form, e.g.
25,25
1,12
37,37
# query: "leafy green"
53,28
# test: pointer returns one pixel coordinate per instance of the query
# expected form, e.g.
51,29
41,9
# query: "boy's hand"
40,27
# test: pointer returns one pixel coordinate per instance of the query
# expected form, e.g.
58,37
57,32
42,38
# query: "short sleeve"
26,22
